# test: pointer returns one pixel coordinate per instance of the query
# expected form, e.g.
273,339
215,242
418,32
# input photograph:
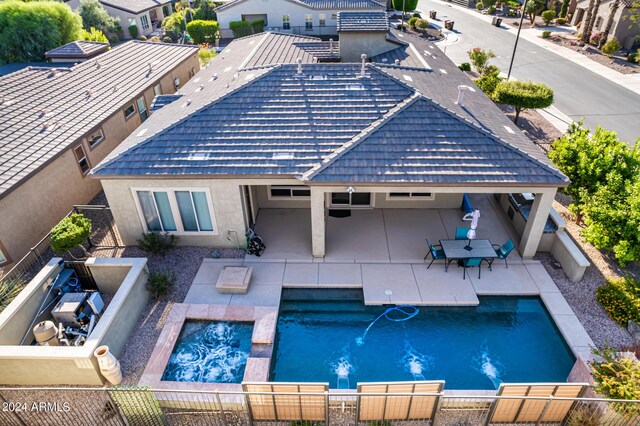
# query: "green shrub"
240,28
561,21
133,30
406,5
480,58
71,232
9,290
620,299
143,37
167,39
93,35
416,15
491,10
202,31
257,26
548,15
546,34
423,24
611,47
156,243
205,56
479,5
563,10
160,283
412,22
488,82
465,66
617,376
596,38
522,95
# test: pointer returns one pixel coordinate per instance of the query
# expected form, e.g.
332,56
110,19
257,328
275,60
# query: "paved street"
579,93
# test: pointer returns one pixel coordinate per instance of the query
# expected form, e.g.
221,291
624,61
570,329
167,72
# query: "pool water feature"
210,352
503,339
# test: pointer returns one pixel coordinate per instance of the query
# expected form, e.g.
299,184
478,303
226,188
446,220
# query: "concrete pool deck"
410,283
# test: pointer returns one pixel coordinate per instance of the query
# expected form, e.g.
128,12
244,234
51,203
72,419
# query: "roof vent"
150,67
299,62
363,65
282,156
461,89
97,64
397,62
200,87
53,72
88,93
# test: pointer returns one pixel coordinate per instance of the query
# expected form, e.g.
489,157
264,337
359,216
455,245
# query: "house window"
157,90
286,22
81,158
165,11
95,138
142,109
294,191
353,199
129,111
144,20
322,20
334,16
599,23
308,22
175,211
410,196
4,258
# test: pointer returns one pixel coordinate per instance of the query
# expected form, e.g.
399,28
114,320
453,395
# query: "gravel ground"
618,63
539,130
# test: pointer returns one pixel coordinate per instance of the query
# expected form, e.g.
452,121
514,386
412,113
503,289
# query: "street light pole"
515,46
404,2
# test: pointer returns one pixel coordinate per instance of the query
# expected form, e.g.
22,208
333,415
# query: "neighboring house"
77,51
622,29
308,17
59,122
269,124
147,15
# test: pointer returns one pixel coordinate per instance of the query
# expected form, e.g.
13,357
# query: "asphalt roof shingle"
45,110
363,21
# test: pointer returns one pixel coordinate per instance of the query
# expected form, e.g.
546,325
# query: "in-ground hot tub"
210,352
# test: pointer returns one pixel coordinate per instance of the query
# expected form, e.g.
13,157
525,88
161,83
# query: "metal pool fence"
126,406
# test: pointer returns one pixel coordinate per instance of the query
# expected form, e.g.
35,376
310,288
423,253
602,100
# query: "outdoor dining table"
465,249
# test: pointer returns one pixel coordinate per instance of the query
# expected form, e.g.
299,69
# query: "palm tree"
614,8
589,28
587,19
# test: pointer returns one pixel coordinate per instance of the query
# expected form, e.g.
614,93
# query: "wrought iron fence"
126,406
104,236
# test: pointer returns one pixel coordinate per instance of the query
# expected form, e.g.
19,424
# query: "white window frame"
157,89
98,141
140,111
411,196
5,259
322,20
85,158
286,22
372,197
308,22
290,197
174,209
144,22
126,117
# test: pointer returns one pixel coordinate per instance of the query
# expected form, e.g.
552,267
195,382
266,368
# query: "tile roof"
323,4
245,114
425,143
45,110
161,101
363,21
135,6
78,49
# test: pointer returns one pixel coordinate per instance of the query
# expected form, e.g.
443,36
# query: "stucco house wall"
275,10
621,29
30,211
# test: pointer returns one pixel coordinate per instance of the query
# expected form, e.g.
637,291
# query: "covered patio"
389,235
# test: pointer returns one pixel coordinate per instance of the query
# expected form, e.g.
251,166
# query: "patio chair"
436,252
461,233
470,263
503,252
382,408
292,406
519,411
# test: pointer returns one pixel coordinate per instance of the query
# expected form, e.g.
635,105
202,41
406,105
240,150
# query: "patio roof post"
537,220
318,222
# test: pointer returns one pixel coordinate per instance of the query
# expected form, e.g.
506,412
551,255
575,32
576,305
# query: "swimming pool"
321,337
210,352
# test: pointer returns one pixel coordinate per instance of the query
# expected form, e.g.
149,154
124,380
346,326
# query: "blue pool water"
210,352
510,339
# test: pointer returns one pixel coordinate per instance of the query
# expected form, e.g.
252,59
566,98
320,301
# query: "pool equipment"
407,310
46,334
